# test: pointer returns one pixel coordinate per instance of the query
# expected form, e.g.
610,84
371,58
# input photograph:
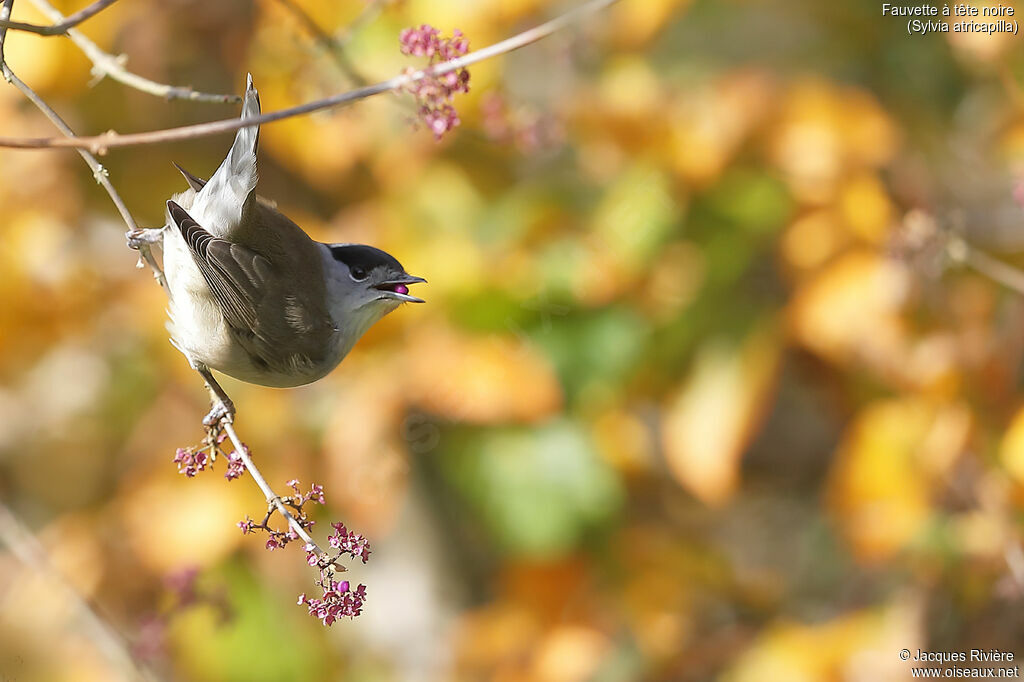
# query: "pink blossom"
190,462
235,467
435,93
349,542
337,601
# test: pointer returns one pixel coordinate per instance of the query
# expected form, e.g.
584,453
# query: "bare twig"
62,26
101,143
962,252
15,536
98,171
268,492
106,64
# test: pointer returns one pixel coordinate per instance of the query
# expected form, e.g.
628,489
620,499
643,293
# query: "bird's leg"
223,409
144,237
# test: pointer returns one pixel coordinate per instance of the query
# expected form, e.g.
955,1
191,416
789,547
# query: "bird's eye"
358,273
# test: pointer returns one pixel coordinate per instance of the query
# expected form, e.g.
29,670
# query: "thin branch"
99,173
993,268
60,27
268,492
106,64
101,143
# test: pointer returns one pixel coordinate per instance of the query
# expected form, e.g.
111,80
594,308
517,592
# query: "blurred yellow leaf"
825,131
858,646
569,654
982,47
630,224
984,534
46,64
812,239
498,633
629,88
480,379
636,21
866,208
850,312
602,273
888,461
175,522
1011,450
1012,143
656,596
708,124
624,440
716,411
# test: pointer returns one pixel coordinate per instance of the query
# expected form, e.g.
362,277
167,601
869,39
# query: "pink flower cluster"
190,462
435,93
315,494
338,600
349,542
193,459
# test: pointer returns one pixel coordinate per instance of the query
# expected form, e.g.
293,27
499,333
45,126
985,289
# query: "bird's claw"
220,411
143,237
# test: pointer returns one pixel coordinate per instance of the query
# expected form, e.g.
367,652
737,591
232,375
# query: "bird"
251,295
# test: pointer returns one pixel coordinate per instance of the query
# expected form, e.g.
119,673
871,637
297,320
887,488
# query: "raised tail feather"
222,202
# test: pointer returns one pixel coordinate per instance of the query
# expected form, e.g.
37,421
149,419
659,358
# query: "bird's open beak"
398,287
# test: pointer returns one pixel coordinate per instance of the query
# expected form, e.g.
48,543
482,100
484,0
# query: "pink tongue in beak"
401,289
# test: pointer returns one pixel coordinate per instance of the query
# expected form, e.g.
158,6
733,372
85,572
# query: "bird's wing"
225,198
270,322
235,274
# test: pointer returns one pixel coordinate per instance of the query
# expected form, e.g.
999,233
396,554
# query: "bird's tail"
222,202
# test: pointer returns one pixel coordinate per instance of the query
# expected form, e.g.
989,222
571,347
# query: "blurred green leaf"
538,491
261,641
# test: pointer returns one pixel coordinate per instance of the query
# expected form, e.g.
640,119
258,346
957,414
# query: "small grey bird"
251,295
